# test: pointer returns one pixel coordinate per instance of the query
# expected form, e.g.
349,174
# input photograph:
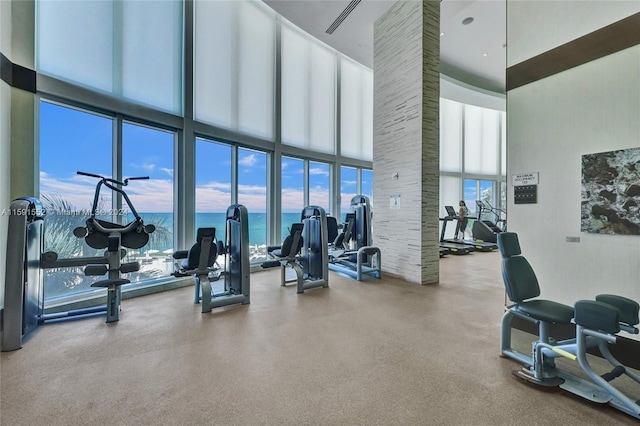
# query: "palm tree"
61,220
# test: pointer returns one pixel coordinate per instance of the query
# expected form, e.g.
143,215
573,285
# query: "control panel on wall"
525,194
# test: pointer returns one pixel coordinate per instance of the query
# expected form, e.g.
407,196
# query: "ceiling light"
467,21
441,34
485,54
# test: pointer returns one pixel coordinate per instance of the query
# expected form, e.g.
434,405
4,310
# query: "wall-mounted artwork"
611,192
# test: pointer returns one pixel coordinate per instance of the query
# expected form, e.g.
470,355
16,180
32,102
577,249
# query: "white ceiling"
462,47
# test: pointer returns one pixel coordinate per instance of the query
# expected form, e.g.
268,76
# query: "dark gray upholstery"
520,281
192,256
521,284
332,228
509,244
286,250
597,316
628,308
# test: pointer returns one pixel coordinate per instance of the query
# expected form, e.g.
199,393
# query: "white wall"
534,27
551,123
5,139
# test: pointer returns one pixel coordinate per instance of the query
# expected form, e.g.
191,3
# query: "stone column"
406,139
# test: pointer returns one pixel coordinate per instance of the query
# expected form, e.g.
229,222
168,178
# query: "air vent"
352,5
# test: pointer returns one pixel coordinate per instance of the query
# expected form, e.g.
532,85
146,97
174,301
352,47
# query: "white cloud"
223,186
167,171
212,199
292,200
318,171
252,189
248,161
154,195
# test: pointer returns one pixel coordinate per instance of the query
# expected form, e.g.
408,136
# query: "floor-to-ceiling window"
348,188
367,184
213,185
207,141
320,185
252,193
71,140
292,192
472,157
148,152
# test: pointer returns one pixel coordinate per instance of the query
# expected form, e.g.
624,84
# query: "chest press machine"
352,252
305,250
200,261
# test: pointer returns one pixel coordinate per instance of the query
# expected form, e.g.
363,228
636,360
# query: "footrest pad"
271,264
115,282
616,372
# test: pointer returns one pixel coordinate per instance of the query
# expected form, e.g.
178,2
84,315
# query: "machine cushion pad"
547,311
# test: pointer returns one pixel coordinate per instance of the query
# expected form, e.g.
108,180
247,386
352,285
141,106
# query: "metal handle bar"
117,182
89,174
126,181
108,183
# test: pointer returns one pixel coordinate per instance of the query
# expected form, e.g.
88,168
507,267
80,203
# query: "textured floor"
382,352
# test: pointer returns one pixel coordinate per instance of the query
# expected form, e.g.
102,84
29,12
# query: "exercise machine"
200,261
482,246
352,252
486,229
24,289
448,246
23,302
305,251
522,288
102,234
597,324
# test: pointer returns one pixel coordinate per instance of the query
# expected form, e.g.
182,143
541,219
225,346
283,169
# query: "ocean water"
257,224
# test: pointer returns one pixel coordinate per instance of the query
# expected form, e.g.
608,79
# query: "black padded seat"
547,311
629,309
115,282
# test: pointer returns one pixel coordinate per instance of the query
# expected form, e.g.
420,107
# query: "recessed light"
485,54
441,34
467,21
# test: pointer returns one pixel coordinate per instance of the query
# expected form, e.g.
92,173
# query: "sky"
73,140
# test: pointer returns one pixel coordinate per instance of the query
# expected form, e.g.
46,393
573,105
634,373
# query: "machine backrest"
361,227
520,280
332,228
312,235
287,249
193,258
